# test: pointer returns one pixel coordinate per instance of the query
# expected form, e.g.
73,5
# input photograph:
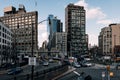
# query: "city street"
59,40
27,70
95,72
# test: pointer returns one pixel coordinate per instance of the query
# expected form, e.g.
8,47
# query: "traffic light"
111,74
108,67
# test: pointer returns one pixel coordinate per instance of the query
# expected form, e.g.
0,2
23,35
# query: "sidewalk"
104,66
67,72
100,65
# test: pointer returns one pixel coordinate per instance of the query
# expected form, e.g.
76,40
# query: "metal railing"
46,74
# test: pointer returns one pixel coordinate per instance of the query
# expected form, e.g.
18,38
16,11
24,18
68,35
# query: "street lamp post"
103,75
114,48
108,72
32,70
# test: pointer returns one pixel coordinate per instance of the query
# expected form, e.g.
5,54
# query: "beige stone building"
115,35
109,38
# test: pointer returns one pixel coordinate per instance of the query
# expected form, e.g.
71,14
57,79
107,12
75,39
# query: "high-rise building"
21,23
54,25
5,43
109,39
60,42
105,41
75,28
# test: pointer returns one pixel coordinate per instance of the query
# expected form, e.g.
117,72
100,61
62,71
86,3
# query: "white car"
75,64
51,60
87,59
88,64
45,63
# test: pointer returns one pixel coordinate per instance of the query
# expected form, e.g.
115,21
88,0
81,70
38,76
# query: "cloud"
108,21
42,34
82,3
95,13
91,12
105,22
93,38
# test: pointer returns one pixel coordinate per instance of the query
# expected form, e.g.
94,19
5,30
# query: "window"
3,35
3,29
3,41
0,27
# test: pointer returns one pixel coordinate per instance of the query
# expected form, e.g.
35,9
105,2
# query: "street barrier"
47,74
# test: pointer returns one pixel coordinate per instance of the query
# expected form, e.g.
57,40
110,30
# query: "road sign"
103,74
32,60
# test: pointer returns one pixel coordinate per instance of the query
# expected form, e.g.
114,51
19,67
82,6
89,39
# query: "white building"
5,42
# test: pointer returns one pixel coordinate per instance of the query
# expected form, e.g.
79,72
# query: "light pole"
114,48
32,69
103,75
108,72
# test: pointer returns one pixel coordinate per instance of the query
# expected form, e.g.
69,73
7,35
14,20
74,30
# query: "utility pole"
114,47
32,70
108,72
32,56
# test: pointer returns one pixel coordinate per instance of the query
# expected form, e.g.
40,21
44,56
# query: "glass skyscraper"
54,25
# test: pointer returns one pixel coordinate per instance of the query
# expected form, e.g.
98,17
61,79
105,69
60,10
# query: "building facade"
43,51
105,41
60,43
21,23
115,36
117,51
5,43
109,38
54,25
75,27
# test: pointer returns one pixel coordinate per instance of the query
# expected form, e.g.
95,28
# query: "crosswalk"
100,66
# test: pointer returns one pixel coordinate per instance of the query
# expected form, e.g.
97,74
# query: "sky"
99,14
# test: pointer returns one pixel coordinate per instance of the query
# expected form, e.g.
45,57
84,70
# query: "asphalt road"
95,73
27,70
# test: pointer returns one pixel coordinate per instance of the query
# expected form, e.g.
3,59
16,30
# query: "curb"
5,71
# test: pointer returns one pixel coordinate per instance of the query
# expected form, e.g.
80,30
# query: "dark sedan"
15,71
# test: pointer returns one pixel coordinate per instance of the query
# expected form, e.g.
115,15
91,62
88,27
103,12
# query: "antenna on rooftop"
35,4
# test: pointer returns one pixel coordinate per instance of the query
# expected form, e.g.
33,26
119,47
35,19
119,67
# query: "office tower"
54,25
76,32
5,43
60,43
109,40
21,22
